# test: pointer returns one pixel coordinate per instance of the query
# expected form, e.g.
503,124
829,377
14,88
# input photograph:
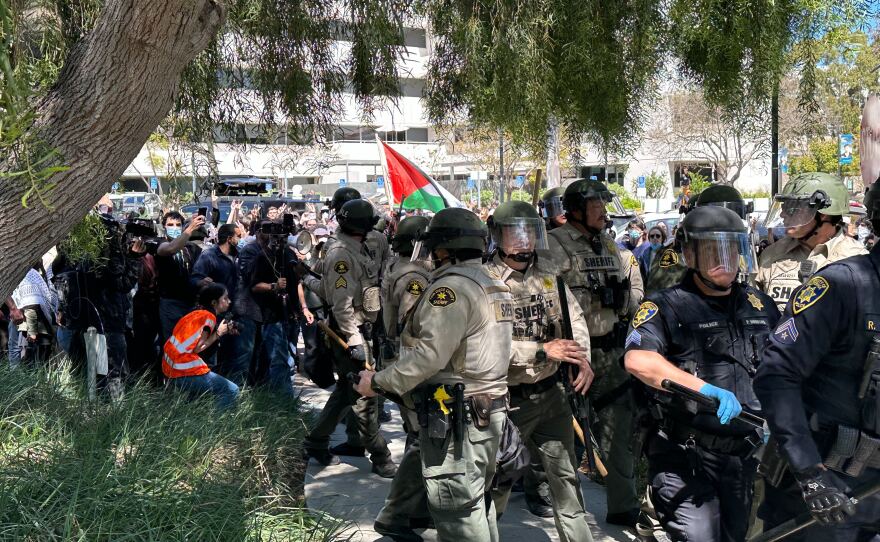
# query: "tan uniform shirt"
584,271
460,331
778,270
537,319
403,283
347,272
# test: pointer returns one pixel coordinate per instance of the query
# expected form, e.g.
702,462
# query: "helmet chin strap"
522,257
813,231
711,285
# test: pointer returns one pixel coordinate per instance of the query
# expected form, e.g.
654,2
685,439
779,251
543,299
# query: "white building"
353,155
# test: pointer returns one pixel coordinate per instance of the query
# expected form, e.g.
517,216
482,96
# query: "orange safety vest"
179,358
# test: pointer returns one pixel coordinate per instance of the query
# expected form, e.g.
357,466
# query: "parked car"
252,191
670,218
142,203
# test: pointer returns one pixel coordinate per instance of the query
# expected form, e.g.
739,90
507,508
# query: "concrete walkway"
350,493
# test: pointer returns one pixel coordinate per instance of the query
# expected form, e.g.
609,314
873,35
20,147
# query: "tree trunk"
115,88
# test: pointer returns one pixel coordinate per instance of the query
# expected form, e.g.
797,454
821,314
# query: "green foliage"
86,242
757,194
150,467
628,201
656,185
595,66
822,155
698,182
487,196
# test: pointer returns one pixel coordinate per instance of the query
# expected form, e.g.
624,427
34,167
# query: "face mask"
655,245
242,242
173,232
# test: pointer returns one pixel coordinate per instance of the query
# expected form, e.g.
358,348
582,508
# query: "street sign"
641,192
380,181
641,181
520,180
594,178
342,182
471,184
783,160
154,183
115,187
846,149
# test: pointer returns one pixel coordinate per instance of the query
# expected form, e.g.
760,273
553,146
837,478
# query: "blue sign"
342,182
846,149
520,180
380,181
115,187
783,160
268,187
641,181
594,178
154,183
471,184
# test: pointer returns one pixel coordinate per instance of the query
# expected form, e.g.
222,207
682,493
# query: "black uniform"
809,385
700,471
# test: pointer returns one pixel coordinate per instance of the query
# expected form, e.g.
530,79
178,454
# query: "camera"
145,229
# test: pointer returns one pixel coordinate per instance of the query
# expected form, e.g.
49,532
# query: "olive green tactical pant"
456,476
365,410
406,499
613,427
544,420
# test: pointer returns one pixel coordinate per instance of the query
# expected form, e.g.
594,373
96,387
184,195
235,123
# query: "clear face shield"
719,256
519,236
552,208
788,212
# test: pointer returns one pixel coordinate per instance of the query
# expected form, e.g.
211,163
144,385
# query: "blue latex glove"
728,407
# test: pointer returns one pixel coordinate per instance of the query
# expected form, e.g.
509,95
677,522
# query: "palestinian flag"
410,187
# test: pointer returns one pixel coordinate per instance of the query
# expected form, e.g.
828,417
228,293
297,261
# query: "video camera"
145,229
285,228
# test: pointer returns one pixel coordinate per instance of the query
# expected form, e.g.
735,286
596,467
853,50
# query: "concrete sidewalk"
349,492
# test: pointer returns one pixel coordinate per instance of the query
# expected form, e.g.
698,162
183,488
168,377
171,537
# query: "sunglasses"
655,236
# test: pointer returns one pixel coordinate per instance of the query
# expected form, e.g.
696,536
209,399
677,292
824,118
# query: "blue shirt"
219,267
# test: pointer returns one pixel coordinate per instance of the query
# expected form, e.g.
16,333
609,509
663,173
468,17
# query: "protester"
38,303
174,262
191,340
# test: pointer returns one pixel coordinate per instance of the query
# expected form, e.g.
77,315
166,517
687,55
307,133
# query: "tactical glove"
357,352
825,500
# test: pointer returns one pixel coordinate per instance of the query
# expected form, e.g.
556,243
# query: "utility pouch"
480,411
772,466
868,446
371,302
438,424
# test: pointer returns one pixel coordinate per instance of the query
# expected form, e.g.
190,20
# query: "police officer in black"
706,333
820,387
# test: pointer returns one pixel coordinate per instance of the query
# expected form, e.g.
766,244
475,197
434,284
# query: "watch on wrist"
541,355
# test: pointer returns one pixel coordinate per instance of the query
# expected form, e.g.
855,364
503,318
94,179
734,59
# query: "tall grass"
150,467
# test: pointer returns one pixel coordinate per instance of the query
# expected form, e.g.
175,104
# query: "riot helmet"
587,196
551,203
407,232
715,244
456,230
357,217
343,195
803,197
720,195
517,231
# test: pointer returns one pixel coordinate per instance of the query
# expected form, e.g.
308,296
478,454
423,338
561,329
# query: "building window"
417,135
415,37
412,88
682,171
614,173
398,136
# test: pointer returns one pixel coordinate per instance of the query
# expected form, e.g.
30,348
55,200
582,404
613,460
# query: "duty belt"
729,445
527,390
851,451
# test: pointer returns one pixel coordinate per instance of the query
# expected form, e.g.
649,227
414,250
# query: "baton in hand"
711,402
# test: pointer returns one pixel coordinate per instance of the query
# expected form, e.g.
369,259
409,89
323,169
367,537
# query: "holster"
772,466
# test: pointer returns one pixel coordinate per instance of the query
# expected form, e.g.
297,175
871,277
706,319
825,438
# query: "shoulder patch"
341,283
647,310
442,297
810,294
787,332
549,283
340,267
755,301
633,261
668,258
415,287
